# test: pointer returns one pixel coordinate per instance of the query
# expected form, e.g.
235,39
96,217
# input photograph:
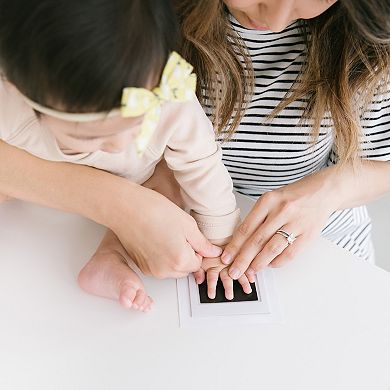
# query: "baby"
101,85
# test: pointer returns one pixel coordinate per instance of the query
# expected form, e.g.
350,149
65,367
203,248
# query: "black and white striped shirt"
264,155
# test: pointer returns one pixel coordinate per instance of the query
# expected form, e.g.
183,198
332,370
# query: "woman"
299,207
331,61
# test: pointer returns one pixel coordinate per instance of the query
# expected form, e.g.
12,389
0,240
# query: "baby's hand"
212,268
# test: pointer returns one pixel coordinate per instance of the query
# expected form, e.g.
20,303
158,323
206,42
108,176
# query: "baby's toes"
139,300
147,306
127,296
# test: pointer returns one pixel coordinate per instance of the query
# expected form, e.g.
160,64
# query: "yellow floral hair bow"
178,84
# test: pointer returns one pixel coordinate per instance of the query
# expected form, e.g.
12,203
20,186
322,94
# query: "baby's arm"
195,158
207,189
165,183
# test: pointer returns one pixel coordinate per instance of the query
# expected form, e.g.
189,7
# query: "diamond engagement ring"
289,237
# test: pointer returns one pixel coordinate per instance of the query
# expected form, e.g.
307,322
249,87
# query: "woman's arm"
53,184
355,187
302,208
137,215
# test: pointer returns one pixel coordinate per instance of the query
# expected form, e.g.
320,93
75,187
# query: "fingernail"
226,258
234,273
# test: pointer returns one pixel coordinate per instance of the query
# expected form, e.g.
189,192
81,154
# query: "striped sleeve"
375,123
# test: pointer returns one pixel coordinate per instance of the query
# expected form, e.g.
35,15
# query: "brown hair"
347,49
209,43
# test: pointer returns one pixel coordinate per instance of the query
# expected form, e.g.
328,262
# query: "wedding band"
289,237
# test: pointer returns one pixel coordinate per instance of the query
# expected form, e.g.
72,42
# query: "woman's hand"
301,209
161,238
166,241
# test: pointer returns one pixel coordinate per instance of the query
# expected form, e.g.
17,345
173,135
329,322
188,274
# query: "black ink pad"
239,294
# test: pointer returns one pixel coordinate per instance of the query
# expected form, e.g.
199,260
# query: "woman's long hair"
225,82
347,62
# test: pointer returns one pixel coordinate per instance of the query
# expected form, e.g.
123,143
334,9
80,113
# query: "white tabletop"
335,335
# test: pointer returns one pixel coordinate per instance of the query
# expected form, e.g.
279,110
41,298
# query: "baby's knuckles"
214,263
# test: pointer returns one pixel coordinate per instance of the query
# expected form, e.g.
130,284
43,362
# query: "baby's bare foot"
108,275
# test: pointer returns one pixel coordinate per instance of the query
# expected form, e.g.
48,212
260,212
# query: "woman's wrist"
314,189
355,186
333,188
120,204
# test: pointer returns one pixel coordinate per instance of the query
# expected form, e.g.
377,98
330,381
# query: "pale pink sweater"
184,138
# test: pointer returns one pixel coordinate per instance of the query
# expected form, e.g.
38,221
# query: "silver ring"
289,237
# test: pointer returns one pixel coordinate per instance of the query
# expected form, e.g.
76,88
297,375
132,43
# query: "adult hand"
162,239
301,208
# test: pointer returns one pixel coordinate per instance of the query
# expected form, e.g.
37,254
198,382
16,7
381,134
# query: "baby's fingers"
212,280
246,286
199,276
227,282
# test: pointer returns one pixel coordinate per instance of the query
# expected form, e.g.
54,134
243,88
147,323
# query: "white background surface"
380,213
335,335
